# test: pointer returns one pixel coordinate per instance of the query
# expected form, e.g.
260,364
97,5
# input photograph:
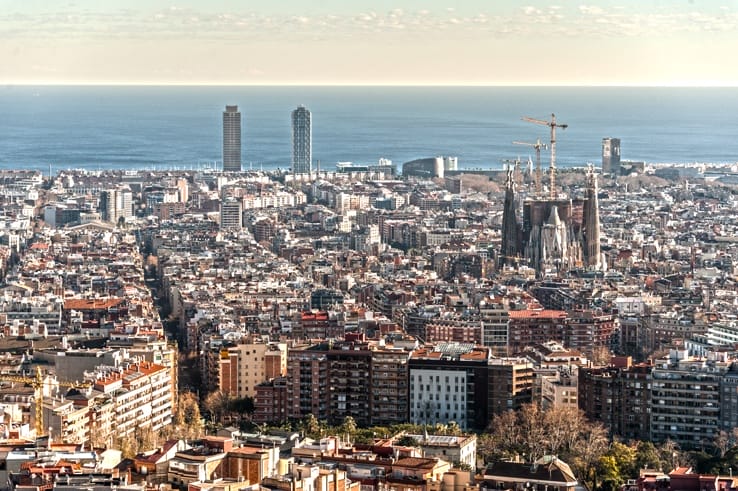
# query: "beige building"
66,422
140,395
559,390
243,366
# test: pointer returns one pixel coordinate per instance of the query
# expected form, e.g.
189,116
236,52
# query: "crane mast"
553,125
537,145
37,383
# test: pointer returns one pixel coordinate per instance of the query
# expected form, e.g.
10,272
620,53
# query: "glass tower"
231,139
302,141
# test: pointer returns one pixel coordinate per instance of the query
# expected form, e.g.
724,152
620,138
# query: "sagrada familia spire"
510,250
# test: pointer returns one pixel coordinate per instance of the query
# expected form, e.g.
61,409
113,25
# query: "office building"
231,214
231,139
116,204
611,155
302,141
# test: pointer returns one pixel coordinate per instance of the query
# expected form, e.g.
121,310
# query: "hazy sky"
495,42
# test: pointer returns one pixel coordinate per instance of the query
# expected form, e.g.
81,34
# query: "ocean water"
180,127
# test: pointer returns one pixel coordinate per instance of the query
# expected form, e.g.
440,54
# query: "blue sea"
127,127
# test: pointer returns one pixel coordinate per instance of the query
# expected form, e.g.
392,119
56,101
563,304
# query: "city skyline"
369,43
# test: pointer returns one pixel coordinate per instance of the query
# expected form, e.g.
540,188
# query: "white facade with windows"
438,397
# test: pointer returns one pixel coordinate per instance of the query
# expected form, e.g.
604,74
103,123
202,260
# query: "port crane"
553,125
537,146
37,383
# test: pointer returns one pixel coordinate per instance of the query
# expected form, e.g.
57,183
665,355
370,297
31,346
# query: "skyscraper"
302,141
611,155
231,139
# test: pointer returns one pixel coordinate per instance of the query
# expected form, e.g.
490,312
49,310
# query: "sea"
180,127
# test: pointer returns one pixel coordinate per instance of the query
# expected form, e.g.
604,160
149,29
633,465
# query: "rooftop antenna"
553,125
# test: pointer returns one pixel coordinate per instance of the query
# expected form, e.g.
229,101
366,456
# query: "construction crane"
37,383
538,146
553,125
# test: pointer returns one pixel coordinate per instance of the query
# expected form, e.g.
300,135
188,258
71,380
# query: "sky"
367,42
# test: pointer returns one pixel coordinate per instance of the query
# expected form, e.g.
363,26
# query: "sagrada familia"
551,233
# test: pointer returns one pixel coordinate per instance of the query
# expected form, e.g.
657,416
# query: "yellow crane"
538,146
37,383
553,125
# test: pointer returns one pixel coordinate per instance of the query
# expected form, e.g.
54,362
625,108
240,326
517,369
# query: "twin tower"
302,140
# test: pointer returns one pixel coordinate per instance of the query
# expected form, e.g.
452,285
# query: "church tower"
510,229
591,225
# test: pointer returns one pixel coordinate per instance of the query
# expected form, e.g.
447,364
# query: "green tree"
625,458
669,455
310,426
242,406
454,429
609,472
647,457
407,441
348,427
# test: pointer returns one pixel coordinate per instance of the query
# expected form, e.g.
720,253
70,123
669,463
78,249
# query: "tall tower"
108,205
302,141
611,155
591,218
509,249
231,139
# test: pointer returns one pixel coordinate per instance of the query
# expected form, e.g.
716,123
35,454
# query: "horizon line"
363,84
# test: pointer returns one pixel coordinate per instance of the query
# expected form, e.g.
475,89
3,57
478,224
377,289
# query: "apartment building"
528,327
510,384
446,380
685,398
140,394
243,366
618,396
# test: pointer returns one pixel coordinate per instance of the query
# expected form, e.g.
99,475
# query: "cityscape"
535,322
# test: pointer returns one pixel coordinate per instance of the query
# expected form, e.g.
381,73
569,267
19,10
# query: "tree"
407,441
348,427
722,443
563,425
310,426
453,428
647,457
592,445
217,404
505,437
610,473
242,405
187,419
625,459
669,455
533,431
